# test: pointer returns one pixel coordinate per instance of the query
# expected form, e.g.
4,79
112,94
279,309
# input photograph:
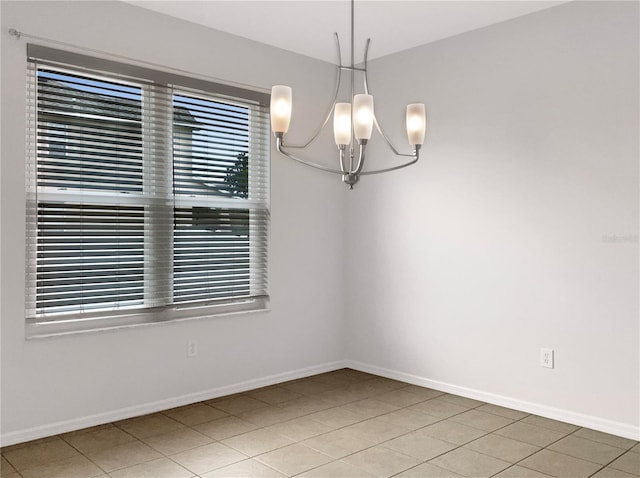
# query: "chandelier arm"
280,146
364,70
384,136
363,146
416,156
342,148
331,106
365,79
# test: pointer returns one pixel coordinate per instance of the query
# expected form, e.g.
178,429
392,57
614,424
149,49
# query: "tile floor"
338,424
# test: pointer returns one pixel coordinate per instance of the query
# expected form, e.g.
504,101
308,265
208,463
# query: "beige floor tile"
562,427
29,443
275,395
636,449
482,420
341,396
470,463
337,444
381,461
305,405
5,467
30,455
419,446
376,431
98,439
299,429
612,473
244,469
334,377
268,415
452,432
503,448
160,468
196,414
400,398
336,469
75,467
386,383
87,430
438,408
557,464
427,470
409,419
149,425
237,404
257,442
424,392
530,434
601,437
223,398
122,456
520,472
226,427
357,375
294,459
502,411
586,449
309,388
337,417
14,474
462,401
629,463
370,407
175,442
207,458
376,386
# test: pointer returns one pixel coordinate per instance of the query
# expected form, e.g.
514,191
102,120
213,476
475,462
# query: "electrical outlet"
192,348
546,358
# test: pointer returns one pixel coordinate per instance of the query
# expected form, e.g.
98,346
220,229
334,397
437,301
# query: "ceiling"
307,27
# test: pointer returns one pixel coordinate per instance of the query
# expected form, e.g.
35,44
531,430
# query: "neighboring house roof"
90,105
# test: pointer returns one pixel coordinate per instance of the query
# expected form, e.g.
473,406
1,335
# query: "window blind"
143,195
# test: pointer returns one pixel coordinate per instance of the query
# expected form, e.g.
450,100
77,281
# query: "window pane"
89,133
210,144
211,254
89,257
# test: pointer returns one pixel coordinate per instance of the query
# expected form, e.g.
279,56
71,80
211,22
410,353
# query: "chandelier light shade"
280,108
416,124
342,123
362,117
353,123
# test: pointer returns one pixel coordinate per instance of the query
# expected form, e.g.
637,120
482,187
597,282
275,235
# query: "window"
148,195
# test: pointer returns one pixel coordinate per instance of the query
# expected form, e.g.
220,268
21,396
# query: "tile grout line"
461,446
615,459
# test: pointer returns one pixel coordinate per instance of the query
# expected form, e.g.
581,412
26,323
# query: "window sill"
47,329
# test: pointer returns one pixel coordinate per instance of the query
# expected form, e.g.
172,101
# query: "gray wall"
496,244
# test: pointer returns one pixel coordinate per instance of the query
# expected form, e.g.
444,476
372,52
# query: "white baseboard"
34,433
596,423
601,424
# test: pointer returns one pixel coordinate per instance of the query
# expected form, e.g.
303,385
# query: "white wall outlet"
192,348
546,358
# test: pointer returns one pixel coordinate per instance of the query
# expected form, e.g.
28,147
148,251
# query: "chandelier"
352,122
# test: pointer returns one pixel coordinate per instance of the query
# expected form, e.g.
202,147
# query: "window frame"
57,324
